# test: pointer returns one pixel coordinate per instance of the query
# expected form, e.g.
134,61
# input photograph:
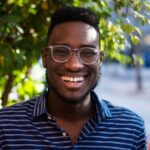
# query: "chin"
72,98
72,101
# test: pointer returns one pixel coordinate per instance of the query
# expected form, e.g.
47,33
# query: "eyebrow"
83,45
88,45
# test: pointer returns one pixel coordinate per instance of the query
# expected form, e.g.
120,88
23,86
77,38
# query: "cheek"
49,70
52,69
95,71
98,71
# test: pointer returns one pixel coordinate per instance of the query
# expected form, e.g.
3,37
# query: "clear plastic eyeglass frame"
87,55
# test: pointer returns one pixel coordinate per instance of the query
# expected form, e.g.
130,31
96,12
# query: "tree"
23,29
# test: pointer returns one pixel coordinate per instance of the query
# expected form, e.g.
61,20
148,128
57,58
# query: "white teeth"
72,79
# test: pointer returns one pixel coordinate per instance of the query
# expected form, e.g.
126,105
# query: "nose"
74,63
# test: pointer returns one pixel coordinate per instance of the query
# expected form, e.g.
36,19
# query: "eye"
60,51
88,52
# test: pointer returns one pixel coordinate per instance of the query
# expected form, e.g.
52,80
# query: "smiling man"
70,115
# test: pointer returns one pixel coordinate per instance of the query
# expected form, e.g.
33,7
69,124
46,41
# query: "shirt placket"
63,133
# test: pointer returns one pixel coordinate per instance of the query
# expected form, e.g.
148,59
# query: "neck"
68,111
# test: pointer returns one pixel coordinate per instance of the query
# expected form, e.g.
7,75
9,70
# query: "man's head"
72,57
76,14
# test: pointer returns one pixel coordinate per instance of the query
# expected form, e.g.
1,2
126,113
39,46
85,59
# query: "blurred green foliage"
23,30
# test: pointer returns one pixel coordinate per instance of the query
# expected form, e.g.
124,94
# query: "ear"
44,57
101,56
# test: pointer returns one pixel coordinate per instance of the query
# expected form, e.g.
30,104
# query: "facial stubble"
72,101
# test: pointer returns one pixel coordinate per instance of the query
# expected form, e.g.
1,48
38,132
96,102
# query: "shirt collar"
102,109
40,106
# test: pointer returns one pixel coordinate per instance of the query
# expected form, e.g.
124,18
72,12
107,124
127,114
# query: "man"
70,115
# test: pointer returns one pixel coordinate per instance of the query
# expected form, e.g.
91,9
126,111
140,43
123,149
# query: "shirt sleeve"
142,140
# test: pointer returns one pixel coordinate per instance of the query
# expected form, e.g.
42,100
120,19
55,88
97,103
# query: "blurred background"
125,40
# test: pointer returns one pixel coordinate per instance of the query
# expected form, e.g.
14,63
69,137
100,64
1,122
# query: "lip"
73,85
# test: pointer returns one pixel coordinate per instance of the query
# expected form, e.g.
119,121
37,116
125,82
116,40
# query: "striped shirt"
29,126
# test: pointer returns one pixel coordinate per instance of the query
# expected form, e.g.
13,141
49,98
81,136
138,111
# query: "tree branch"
7,89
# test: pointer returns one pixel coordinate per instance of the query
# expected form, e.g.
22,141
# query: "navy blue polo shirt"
29,126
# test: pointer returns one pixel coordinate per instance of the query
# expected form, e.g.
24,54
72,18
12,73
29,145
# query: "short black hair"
72,13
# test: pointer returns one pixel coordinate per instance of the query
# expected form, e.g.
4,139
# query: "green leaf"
135,39
128,28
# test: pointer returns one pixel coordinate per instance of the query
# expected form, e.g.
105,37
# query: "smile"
72,79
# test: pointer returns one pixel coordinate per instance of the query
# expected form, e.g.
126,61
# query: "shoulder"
124,114
118,113
20,108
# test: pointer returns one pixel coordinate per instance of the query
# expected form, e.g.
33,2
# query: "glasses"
87,55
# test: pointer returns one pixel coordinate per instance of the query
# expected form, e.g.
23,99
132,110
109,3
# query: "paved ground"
118,85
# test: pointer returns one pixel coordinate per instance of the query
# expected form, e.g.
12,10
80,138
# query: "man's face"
72,81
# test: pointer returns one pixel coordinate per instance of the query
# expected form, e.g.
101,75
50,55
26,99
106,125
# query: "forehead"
74,31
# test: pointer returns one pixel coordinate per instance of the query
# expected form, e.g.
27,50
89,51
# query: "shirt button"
49,117
64,133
